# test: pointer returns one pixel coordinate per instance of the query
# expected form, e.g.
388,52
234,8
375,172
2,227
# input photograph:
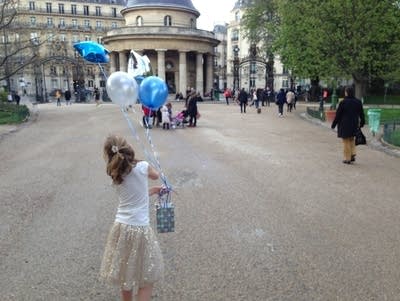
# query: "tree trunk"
360,87
315,90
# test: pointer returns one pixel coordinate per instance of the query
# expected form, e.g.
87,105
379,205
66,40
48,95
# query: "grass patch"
11,113
380,100
387,114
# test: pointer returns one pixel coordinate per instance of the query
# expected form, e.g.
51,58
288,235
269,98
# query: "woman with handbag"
349,119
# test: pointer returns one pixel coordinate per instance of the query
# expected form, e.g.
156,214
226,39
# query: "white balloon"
121,88
133,100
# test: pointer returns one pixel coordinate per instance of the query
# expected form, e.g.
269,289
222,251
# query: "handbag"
165,213
360,138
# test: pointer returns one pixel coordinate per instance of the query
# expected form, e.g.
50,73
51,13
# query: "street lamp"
236,68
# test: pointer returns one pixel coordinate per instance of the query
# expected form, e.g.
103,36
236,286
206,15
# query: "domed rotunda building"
165,31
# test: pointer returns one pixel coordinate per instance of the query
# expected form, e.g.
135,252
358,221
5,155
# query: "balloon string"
102,70
136,135
154,159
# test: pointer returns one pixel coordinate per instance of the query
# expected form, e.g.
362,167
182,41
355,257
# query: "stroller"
180,119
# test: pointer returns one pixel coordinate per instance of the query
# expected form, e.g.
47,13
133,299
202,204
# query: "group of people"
264,97
67,96
164,115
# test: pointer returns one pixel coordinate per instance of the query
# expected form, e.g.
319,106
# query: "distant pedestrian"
290,100
58,97
67,96
97,96
349,117
132,257
17,98
243,98
192,110
280,101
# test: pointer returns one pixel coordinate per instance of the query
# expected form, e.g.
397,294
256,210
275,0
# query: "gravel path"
265,209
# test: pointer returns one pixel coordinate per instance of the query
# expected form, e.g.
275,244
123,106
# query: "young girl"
132,257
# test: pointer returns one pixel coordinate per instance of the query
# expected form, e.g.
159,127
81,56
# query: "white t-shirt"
133,194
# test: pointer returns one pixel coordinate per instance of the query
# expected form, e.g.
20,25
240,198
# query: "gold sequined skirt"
132,257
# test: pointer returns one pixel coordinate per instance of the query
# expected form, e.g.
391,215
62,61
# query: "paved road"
265,209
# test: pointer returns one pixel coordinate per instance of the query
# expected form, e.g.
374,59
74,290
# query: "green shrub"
3,96
10,113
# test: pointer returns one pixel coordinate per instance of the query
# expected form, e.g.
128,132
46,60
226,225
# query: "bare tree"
17,48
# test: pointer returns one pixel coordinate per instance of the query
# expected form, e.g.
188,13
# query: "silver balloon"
122,88
138,65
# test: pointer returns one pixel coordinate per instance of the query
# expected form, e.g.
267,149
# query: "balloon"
153,92
133,100
122,88
139,79
138,64
92,52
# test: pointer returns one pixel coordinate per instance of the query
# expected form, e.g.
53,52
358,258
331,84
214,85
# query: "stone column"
182,72
161,63
199,73
113,62
123,61
210,72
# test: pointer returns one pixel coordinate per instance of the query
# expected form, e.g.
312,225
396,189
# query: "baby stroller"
180,119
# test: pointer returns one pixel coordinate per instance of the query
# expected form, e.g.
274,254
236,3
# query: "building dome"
182,4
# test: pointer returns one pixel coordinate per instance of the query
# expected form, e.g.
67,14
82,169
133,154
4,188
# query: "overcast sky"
212,12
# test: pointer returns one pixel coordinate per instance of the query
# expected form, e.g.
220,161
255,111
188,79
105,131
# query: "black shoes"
353,158
346,162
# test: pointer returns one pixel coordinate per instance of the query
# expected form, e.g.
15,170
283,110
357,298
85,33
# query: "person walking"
97,96
58,97
290,100
17,98
243,98
192,110
67,96
280,101
132,257
349,118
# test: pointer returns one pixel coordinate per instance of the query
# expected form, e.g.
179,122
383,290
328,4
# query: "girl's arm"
153,173
155,190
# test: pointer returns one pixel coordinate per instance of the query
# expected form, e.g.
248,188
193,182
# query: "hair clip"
114,149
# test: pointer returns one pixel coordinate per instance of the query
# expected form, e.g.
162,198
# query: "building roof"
182,4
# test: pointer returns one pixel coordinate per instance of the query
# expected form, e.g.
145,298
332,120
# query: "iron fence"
316,113
391,132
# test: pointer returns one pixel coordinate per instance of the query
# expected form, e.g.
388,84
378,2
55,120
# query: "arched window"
192,23
139,21
237,16
167,21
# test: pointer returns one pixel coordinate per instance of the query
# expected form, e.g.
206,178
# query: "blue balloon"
153,92
139,79
92,52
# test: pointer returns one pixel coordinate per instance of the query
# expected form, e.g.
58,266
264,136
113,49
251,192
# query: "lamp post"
236,68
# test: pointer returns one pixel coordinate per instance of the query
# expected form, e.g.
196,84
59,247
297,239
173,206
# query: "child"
132,257
165,117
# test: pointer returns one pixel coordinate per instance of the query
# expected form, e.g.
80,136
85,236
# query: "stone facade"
53,28
179,53
250,61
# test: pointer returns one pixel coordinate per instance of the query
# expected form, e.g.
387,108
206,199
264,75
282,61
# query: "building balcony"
36,11
161,30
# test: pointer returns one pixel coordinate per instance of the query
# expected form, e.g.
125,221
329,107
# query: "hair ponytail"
119,157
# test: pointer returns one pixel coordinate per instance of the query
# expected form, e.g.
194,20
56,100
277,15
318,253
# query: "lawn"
11,114
387,114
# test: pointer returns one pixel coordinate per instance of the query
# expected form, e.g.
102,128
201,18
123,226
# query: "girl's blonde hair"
119,157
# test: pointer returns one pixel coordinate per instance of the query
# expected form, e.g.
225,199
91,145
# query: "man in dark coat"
243,97
280,101
349,118
192,109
